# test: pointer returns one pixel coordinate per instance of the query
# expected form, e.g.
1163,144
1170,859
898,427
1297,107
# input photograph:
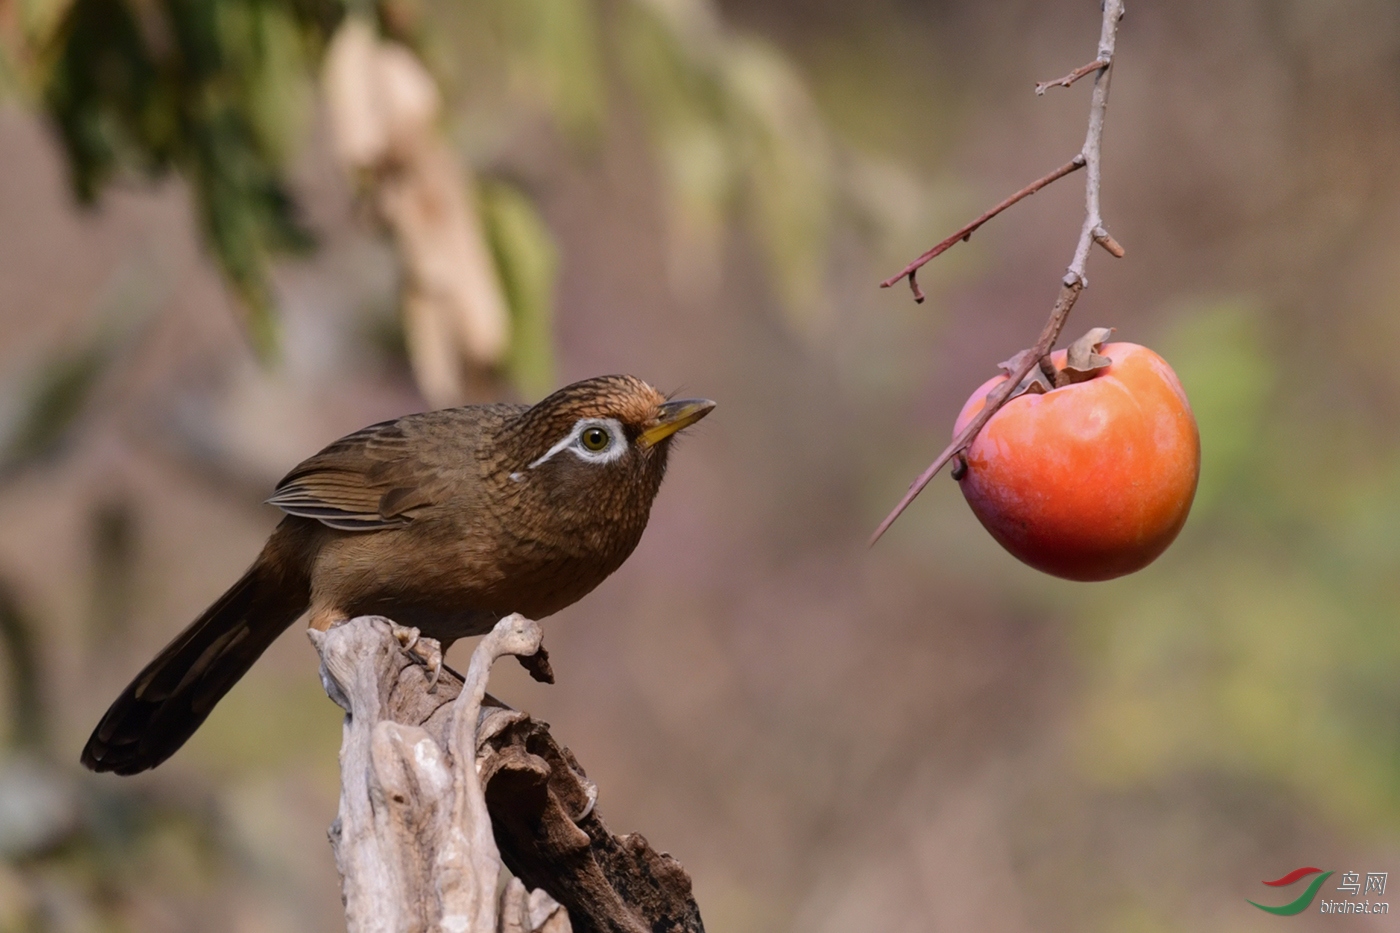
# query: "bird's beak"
673,416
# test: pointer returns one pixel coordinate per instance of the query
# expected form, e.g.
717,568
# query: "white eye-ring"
593,440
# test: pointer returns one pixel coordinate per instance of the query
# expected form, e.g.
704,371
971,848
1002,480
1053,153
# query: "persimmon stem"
1074,281
999,396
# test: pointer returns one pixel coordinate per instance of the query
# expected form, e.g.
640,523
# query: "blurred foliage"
1230,378
219,91
57,396
528,262
553,55
82,858
213,88
74,853
49,403
114,543
734,128
734,131
29,727
1266,646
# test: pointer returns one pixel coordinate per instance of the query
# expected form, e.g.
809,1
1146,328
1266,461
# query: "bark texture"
439,789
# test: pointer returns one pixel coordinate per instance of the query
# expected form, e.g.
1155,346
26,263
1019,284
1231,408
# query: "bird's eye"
595,439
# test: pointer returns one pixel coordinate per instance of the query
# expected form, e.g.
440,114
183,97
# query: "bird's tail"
168,700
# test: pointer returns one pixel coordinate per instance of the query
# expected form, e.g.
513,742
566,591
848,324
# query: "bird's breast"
450,582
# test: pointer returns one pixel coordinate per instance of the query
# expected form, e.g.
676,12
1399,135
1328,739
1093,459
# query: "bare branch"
1093,138
1027,360
1074,281
1072,77
965,233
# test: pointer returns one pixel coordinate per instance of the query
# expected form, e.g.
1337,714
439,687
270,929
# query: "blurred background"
232,231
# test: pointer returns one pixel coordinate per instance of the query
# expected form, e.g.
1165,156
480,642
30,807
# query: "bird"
445,521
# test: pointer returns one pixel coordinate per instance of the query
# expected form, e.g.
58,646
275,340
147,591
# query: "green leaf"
527,262
212,89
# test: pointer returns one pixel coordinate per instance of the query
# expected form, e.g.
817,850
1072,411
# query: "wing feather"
368,480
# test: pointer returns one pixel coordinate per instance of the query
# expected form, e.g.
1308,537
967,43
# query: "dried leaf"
384,109
1010,366
432,353
1034,382
382,101
1083,361
358,134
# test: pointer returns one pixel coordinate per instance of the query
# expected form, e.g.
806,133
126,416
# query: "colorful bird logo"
1304,900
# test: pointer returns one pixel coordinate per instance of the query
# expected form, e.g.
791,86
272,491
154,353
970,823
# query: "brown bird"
445,521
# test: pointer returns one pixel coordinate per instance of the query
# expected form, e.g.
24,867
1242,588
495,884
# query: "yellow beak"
674,416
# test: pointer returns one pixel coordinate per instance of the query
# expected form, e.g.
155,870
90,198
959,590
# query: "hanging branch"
1074,281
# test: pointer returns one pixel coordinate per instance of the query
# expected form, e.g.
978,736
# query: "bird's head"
594,452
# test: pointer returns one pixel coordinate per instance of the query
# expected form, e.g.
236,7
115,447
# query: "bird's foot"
591,790
424,651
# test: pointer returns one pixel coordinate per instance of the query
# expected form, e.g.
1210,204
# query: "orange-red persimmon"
1092,480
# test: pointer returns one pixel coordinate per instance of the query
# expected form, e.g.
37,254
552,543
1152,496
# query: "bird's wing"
376,478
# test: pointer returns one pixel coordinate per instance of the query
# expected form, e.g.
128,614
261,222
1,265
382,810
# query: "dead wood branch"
423,829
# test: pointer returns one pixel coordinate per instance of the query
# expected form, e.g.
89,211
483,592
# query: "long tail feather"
171,697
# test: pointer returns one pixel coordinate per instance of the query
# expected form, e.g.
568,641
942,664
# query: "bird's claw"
424,651
591,790
406,635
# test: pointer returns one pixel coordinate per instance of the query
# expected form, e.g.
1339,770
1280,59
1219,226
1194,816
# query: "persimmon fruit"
1091,480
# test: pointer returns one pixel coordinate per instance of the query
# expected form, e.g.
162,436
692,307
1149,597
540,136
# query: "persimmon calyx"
1083,360
1035,381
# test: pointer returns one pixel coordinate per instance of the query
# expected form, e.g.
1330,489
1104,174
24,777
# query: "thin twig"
1026,361
1072,77
1114,248
964,233
1074,281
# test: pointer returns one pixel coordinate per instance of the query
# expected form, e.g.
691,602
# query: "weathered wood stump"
438,791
